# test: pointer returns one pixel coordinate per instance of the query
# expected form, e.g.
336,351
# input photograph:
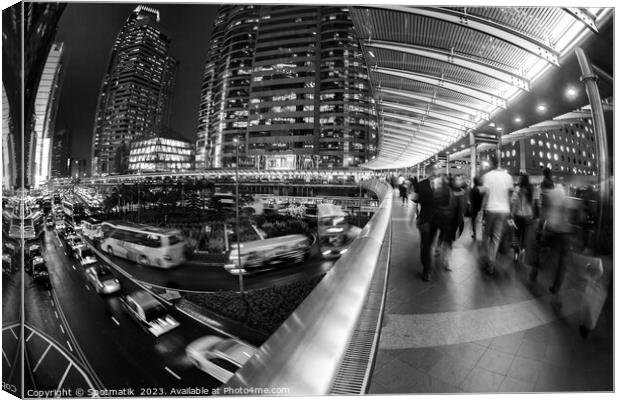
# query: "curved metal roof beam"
421,146
441,126
443,83
501,74
415,134
443,103
444,117
582,15
507,34
443,133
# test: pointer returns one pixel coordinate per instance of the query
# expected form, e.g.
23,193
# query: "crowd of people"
525,217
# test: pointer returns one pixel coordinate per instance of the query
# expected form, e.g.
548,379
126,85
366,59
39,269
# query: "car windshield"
155,312
104,274
227,365
87,253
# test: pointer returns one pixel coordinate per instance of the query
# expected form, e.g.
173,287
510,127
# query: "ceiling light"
541,108
518,120
371,54
571,93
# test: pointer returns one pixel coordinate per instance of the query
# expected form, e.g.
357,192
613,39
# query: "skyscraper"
136,91
61,153
8,147
45,107
291,84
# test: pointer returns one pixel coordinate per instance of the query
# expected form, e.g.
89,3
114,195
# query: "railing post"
472,155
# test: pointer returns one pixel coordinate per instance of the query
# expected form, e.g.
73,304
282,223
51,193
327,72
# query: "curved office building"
290,83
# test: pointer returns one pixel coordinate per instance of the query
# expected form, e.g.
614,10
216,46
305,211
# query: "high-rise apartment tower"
289,86
136,92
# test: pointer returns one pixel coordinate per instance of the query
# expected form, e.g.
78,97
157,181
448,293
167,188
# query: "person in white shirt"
498,187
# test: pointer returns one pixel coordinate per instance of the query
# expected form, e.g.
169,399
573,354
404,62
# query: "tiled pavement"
466,332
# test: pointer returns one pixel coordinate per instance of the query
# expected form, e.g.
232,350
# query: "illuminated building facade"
291,84
44,119
161,153
8,147
566,150
61,152
136,93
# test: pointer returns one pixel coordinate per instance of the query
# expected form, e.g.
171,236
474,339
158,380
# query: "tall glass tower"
136,92
291,84
45,107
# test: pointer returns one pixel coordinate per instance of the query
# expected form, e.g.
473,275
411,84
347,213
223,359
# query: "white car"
73,242
102,279
219,357
60,225
85,255
149,312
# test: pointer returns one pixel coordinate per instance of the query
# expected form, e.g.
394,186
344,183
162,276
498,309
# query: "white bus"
268,253
146,245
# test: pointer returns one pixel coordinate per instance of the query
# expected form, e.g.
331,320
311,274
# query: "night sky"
88,31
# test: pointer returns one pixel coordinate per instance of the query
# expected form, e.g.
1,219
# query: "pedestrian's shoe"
490,270
447,267
533,275
426,276
553,290
584,332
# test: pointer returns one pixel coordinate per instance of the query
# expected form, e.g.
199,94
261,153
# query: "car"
85,255
40,274
60,225
7,264
148,312
73,242
102,279
34,250
219,357
67,231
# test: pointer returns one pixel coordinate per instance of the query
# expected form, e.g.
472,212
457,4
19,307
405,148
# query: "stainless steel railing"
303,356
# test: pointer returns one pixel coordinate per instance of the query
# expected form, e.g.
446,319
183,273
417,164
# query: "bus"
333,229
268,253
34,225
144,244
74,210
91,228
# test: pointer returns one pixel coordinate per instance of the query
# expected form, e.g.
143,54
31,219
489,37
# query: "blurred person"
522,207
402,190
498,188
475,198
413,189
452,201
427,221
553,233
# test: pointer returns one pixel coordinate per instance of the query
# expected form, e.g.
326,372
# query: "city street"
96,334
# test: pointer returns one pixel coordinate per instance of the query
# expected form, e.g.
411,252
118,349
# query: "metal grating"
353,376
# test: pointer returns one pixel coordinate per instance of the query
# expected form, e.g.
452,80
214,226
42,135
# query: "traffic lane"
11,360
11,297
119,350
190,276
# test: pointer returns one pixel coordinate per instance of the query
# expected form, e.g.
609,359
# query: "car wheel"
142,260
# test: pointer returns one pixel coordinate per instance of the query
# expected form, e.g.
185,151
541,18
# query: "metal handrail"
303,356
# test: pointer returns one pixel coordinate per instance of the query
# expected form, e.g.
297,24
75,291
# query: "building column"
522,157
472,156
598,121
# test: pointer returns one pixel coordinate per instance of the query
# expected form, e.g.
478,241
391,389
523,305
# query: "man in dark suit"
427,219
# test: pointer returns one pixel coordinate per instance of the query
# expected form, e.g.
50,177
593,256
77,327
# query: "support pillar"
589,80
472,156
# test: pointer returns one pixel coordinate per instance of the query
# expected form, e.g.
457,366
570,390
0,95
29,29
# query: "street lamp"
236,141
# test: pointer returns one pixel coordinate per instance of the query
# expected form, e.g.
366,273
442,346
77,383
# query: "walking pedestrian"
402,189
452,203
475,199
523,215
498,188
427,220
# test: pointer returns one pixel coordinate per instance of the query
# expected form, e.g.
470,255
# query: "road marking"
116,321
6,358
29,336
172,373
65,253
62,380
72,266
87,287
69,344
13,333
62,329
42,357
56,313
49,292
53,305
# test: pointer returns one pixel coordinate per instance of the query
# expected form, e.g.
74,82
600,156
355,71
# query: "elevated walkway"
465,331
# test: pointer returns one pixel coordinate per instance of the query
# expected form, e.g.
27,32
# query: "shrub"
262,309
